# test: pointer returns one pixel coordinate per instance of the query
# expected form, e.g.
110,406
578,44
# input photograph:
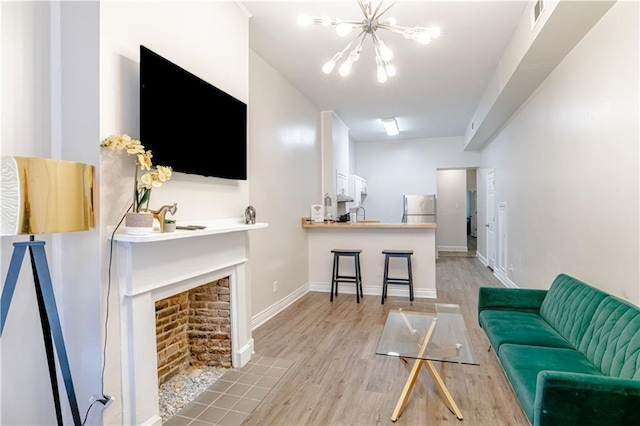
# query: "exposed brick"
193,327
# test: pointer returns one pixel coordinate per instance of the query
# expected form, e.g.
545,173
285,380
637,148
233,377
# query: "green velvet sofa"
571,353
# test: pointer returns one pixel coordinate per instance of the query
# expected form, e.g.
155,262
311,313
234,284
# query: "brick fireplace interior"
193,329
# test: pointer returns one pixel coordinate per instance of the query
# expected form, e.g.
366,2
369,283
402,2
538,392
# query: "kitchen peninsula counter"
306,223
372,237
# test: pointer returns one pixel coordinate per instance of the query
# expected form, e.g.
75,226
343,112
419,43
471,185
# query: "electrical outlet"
105,400
275,286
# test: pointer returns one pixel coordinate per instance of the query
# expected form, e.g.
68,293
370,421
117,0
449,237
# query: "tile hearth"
231,399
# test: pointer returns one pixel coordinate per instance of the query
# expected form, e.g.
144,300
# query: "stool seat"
356,278
386,280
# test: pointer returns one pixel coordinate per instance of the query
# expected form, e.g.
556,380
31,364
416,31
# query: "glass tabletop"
408,323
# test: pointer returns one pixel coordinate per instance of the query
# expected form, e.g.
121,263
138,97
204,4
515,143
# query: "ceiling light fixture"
390,126
372,21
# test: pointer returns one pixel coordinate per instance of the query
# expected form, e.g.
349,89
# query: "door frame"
490,224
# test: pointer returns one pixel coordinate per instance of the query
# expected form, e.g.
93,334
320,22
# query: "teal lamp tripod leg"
49,319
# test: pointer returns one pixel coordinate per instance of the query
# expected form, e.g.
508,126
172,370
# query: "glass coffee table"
426,332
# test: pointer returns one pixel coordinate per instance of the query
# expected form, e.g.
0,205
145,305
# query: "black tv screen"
188,123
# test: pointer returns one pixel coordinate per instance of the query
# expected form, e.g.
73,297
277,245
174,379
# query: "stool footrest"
397,281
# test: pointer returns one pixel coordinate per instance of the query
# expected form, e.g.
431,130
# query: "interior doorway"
457,212
472,211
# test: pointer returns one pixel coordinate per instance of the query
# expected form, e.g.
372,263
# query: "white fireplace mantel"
153,267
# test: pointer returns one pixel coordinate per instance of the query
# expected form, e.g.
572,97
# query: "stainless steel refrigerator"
419,208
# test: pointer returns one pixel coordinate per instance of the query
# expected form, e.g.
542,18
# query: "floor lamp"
44,196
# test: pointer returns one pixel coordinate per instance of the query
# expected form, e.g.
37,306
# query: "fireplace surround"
159,265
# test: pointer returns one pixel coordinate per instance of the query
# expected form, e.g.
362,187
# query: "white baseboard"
481,258
500,275
463,249
264,316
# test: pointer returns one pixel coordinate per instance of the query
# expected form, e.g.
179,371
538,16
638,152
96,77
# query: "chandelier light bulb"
434,31
382,75
345,68
391,70
328,66
422,36
385,53
305,20
342,29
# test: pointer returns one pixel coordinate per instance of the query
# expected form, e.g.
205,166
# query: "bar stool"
386,280
354,279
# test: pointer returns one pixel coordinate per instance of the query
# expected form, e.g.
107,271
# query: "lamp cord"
106,315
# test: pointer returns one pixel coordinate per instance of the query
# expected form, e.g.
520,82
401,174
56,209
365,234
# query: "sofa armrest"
584,399
522,299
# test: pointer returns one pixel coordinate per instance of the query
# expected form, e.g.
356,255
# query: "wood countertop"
307,223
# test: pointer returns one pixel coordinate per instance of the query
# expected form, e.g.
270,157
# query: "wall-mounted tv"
188,123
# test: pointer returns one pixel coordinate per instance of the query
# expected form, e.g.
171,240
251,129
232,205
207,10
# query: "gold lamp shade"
44,196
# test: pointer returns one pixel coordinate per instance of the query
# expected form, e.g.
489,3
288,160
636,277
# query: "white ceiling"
437,87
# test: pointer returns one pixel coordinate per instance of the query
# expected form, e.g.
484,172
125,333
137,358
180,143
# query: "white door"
502,239
491,220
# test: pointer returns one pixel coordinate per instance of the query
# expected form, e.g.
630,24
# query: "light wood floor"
337,379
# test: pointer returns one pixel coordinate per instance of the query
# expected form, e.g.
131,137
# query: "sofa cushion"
522,363
569,307
612,340
524,328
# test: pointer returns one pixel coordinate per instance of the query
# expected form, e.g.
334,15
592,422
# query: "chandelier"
373,21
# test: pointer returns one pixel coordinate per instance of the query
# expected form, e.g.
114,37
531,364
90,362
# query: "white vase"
138,223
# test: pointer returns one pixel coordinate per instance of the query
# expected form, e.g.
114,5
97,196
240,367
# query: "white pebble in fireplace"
153,267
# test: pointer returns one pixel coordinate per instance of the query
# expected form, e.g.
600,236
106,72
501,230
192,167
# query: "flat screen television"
188,123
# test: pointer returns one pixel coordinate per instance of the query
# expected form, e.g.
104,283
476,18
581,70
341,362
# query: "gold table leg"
413,376
442,389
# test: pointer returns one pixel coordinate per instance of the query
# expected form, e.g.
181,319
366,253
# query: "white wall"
284,170
567,165
209,39
395,168
51,113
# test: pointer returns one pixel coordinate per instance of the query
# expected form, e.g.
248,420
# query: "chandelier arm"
348,46
358,23
399,28
363,8
318,20
376,41
362,36
375,13
378,16
376,45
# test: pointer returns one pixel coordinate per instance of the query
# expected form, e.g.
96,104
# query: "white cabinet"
357,190
341,184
